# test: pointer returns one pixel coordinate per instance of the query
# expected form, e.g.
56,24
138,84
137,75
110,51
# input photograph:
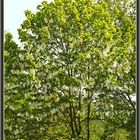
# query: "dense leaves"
74,76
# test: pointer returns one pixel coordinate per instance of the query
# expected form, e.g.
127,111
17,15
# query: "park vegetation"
74,76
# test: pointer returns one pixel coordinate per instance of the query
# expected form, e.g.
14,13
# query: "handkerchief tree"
74,76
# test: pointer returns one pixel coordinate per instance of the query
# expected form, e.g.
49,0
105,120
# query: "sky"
14,14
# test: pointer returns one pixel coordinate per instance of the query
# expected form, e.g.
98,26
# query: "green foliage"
74,75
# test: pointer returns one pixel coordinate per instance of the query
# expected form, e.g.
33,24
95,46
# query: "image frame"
137,70
2,70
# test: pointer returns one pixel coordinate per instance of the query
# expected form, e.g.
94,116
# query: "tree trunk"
88,107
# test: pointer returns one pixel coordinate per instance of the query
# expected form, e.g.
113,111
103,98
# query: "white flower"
115,64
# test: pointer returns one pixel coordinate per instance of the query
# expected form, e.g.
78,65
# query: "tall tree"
75,73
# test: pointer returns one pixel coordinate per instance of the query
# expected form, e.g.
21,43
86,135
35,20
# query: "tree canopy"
74,76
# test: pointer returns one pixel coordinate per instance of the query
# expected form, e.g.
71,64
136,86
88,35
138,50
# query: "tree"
76,72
